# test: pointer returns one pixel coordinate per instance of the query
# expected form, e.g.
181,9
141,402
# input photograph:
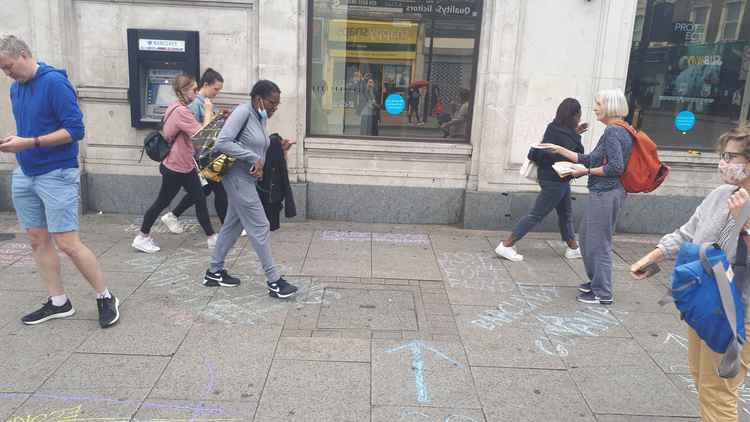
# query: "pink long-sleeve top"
180,125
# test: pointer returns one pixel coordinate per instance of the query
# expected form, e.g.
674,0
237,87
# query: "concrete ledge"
384,204
643,213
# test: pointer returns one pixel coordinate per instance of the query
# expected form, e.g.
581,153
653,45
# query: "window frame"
308,86
721,35
709,9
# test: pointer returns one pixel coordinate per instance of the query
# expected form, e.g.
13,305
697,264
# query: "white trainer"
573,253
244,233
145,244
508,252
172,223
211,241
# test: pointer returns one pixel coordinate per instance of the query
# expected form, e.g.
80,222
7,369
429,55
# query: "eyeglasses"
731,156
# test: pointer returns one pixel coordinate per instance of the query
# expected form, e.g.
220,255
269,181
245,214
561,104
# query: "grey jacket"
705,226
248,146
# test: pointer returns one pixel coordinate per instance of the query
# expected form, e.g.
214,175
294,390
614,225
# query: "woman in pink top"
178,169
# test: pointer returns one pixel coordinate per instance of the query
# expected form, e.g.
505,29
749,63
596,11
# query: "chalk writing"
345,236
397,238
416,347
529,299
477,271
63,415
424,415
189,224
401,238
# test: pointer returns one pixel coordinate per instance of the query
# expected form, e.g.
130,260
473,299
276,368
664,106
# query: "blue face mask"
263,113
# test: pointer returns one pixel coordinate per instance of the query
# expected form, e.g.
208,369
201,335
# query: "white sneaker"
244,233
211,241
508,252
145,244
172,223
573,253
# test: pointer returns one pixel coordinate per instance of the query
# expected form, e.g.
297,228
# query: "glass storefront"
392,68
690,56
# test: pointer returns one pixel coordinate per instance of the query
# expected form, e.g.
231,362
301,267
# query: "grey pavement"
400,323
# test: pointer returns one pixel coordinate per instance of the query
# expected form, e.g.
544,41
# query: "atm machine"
155,58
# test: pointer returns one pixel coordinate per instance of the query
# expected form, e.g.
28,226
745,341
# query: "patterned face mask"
733,173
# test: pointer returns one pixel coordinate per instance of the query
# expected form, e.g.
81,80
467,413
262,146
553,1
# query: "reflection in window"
690,55
392,68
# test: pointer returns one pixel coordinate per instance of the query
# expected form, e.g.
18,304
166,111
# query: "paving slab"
425,414
391,258
368,308
323,349
339,253
592,352
248,304
83,371
319,394
38,351
235,371
628,418
520,346
522,395
185,410
165,318
631,391
452,242
477,271
421,373
107,404
662,336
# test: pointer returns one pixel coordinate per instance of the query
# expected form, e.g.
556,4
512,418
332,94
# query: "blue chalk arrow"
416,348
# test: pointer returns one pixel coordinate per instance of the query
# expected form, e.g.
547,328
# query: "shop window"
402,69
690,56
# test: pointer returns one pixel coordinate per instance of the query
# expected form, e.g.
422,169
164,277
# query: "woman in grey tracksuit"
245,137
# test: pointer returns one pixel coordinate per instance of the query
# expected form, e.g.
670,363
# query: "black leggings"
171,182
220,200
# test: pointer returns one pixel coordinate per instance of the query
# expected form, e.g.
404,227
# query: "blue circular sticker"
684,121
395,104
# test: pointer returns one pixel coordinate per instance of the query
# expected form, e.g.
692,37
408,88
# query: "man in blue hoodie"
46,181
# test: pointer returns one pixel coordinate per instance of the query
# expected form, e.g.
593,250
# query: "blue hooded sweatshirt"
43,105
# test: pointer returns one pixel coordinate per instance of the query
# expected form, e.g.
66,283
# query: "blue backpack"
709,300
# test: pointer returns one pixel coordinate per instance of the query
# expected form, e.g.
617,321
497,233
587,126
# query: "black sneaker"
109,311
593,299
49,311
281,289
584,287
220,278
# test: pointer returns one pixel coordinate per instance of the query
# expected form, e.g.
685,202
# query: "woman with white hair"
604,166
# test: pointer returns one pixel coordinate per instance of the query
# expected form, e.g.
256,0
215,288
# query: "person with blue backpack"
715,221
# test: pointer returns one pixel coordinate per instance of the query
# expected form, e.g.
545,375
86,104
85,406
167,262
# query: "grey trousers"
245,211
595,237
554,196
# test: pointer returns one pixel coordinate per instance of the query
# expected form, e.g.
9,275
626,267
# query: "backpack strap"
730,360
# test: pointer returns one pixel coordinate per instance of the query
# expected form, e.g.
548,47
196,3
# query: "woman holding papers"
604,166
564,131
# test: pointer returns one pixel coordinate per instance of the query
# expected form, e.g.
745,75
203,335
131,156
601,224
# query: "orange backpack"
644,171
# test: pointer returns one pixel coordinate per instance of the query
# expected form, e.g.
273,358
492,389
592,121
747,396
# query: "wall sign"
176,46
394,104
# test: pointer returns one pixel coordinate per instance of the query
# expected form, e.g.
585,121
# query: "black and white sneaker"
109,311
49,311
281,289
584,287
220,278
593,299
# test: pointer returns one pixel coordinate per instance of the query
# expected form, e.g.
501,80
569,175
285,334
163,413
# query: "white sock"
104,294
59,300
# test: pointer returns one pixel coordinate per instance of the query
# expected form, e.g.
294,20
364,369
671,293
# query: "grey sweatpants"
595,237
245,211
